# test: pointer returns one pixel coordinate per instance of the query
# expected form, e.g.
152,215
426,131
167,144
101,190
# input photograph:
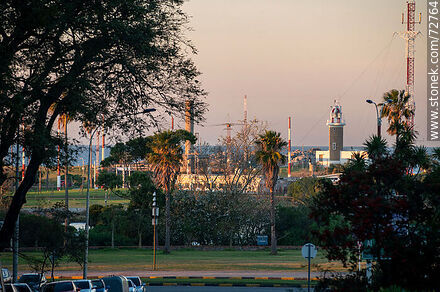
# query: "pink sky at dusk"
293,58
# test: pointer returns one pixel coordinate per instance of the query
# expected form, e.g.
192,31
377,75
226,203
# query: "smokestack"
288,150
189,126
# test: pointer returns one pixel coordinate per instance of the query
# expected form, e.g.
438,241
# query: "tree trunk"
113,233
167,223
52,267
47,179
140,238
273,236
18,200
39,179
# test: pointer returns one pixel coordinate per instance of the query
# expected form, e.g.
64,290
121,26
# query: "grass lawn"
192,260
77,198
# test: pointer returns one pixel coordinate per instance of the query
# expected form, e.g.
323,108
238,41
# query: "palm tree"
397,110
269,156
376,147
356,163
165,158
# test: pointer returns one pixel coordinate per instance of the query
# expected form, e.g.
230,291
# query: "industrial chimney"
189,126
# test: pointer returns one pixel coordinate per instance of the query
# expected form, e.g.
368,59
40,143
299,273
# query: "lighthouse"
336,133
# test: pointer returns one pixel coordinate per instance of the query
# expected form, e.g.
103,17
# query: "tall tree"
91,60
269,156
166,158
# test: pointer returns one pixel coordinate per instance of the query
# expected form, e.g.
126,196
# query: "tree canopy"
98,62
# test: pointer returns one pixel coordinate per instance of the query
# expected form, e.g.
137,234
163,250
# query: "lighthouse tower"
336,133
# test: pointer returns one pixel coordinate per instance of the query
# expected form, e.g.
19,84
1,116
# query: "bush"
293,225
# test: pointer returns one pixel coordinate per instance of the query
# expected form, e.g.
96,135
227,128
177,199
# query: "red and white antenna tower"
410,36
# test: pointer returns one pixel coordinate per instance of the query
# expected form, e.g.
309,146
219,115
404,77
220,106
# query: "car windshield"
130,283
135,280
29,278
97,284
82,284
61,287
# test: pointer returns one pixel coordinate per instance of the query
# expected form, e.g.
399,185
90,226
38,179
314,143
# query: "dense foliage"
45,230
387,200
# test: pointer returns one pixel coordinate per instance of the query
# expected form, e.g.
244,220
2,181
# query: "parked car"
17,287
34,280
140,287
7,277
99,285
60,286
84,285
131,286
116,283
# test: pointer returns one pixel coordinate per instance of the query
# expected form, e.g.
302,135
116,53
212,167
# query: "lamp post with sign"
309,252
155,215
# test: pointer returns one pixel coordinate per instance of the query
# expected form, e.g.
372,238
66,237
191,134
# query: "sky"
294,58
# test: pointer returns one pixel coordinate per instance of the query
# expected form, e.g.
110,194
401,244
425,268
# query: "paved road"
223,289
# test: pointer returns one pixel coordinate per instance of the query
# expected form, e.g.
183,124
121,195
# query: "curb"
232,278
228,285
286,285
197,277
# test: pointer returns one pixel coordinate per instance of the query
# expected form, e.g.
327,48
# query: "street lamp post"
86,256
379,114
379,119
87,227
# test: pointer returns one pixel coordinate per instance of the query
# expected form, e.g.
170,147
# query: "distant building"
335,154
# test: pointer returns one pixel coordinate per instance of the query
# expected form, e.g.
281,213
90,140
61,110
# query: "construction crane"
228,128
